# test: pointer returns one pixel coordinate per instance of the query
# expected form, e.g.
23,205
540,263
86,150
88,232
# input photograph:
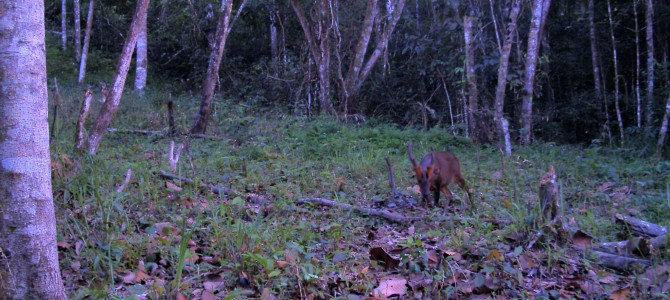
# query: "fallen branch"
640,226
366,211
215,189
125,182
162,133
619,262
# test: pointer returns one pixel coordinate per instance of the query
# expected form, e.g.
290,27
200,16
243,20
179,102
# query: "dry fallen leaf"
621,294
173,187
581,240
390,286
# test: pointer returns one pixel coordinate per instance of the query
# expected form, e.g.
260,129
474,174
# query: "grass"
187,238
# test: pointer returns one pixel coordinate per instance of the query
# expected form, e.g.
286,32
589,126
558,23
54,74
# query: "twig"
173,157
215,189
391,177
172,130
120,188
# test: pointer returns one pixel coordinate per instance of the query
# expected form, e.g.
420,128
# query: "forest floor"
160,238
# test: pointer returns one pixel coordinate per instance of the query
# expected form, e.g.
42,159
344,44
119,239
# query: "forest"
290,149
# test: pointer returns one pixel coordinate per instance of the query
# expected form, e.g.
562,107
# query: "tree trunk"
87,41
360,67
649,19
616,74
63,24
77,30
319,47
595,60
274,43
638,97
212,76
539,14
664,126
114,95
141,58
503,131
471,78
28,256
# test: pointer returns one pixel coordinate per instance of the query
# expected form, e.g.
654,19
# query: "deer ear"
429,171
418,172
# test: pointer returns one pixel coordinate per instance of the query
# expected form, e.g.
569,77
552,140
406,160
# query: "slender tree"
28,256
87,42
664,125
360,66
649,106
141,58
539,14
638,97
470,77
63,24
616,74
77,30
213,68
502,77
114,95
595,56
319,46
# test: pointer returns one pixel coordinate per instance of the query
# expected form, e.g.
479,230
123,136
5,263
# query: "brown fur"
435,172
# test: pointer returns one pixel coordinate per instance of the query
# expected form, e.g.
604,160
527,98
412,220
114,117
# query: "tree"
141,58
319,46
63,24
664,125
215,56
114,95
539,14
87,42
77,30
28,255
471,78
501,122
360,66
616,73
649,19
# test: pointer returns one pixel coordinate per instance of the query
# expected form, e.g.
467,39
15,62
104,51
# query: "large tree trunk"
87,41
212,76
360,67
319,47
471,78
77,30
503,131
114,95
29,259
141,58
63,24
539,14
664,126
649,19
616,74
274,43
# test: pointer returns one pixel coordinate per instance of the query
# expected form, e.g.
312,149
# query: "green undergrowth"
296,250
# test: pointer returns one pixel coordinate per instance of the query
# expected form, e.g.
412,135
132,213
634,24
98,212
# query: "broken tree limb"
640,226
215,189
642,246
367,211
391,177
550,219
83,113
619,262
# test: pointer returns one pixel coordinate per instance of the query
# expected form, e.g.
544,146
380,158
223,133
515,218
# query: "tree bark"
63,24
83,113
215,56
503,69
638,97
77,30
616,74
360,67
319,47
471,78
28,256
141,58
87,41
274,43
595,57
114,95
664,126
649,19
539,14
